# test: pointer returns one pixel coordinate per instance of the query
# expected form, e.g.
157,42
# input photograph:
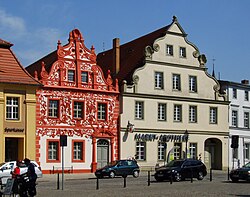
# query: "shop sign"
14,130
161,138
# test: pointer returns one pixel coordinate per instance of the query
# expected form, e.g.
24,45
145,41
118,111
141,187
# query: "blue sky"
219,28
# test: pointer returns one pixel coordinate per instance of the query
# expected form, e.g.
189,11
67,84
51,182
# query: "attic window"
71,75
183,52
84,77
170,50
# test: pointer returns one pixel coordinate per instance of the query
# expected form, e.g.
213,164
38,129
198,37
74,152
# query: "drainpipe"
116,56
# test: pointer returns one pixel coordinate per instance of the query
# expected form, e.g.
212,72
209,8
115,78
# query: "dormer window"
71,75
170,50
183,52
84,77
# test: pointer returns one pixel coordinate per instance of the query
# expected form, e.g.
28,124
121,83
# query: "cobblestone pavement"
86,185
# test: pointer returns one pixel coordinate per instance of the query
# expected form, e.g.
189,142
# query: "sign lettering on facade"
161,138
15,130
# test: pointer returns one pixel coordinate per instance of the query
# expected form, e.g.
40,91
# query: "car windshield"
175,163
247,165
112,163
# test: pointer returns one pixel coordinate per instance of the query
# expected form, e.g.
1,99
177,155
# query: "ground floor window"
177,150
78,150
193,150
161,150
247,152
141,150
53,151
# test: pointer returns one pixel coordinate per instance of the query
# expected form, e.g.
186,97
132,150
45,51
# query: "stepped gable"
11,70
132,55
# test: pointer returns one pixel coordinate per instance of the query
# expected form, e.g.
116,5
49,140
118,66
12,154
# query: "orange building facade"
78,102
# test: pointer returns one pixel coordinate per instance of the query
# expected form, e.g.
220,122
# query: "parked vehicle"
242,173
180,170
8,167
119,168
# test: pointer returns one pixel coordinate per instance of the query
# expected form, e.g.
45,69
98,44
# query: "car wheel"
235,180
200,176
177,177
135,174
112,174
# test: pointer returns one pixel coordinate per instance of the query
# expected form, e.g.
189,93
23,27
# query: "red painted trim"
83,151
58,151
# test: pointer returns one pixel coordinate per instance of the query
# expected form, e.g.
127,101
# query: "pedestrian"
15,173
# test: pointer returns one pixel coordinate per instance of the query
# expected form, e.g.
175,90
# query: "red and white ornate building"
75,100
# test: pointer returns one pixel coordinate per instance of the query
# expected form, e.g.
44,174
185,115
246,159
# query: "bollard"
171,177
211,178
148,178
125,184
97,183
228,174
58,186
191,175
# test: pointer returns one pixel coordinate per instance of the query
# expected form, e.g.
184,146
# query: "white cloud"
12,25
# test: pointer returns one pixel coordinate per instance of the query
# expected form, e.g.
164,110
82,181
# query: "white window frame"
247,150
53,148
177,113
234,118
177,82
193,150
159,80
162,111
183,52
177,150
161,151
53,108
71,75
84,77
12,108
139,110
78,151
192,114
246,119
102,111
234,94
213,115
140,150
78,109
170,50
192,83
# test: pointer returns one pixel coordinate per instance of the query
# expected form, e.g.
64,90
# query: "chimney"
245,82
116,55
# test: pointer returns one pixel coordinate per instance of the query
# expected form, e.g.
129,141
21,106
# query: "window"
12,108
247,152
234,118
78,109
53,150
213,115
234,93
53,108
71,75
84,77
141,150
246,119
102,111
192,83
170,50
193,150
161,111
182,52
161,150
139,110
246,96
78,151
176,82
177,150
159,80
192,114
177,113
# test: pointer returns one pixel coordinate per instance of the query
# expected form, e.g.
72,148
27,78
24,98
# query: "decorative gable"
76,67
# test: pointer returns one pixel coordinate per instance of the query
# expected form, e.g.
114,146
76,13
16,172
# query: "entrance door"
13,149
102,153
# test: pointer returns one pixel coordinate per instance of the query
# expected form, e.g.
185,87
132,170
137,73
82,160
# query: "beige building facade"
171,106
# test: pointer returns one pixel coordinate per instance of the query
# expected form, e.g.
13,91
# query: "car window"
175,163
130,163
187,163
247,165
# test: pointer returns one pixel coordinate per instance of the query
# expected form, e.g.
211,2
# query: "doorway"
102,153
13,149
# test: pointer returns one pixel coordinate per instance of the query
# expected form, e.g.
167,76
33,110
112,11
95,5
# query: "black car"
242,173
119,168
181,169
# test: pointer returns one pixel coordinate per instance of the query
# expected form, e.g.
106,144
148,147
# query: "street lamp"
186,140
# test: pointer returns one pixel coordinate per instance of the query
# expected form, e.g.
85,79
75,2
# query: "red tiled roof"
11,71
132,55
